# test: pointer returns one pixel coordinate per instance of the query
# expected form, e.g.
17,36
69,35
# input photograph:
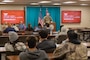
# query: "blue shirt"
9,29
21,27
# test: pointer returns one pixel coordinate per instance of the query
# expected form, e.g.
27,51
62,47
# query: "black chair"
12,55
3,40
61,38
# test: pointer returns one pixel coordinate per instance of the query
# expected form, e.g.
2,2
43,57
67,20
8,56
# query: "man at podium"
47,18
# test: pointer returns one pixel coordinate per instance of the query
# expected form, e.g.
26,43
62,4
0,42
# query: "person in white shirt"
15,27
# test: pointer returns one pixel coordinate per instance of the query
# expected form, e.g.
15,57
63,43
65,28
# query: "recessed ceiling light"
56,4
2,3
45,2
69,2
84,4
34,3
7,1
84,0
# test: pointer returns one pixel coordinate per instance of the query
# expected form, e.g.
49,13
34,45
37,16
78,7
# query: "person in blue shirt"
22,26
38,28
9,28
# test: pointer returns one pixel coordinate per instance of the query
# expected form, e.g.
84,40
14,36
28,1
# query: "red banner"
12,16
71,16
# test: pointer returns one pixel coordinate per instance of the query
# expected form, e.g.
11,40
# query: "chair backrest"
61,38
22,39
50,56
3,40
12,55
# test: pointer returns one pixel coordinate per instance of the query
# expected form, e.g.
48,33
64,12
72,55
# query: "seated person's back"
32,53
13,43
29,28
38,28
71,50
9,28
45,44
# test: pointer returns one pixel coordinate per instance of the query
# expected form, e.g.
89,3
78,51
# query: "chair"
61,38
3,40
12,55
50,55
22,39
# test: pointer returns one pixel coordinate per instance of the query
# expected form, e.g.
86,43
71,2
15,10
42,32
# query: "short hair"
72,35
43,34
39,24
31,41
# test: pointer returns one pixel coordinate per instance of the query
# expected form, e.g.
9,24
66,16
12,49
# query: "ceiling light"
7,1
84,4
34,3
69,2
2,3
83,0
56,4
45,2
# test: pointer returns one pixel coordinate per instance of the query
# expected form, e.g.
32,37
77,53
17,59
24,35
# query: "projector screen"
71,16
12,16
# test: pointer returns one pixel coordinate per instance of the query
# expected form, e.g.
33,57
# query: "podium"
53,26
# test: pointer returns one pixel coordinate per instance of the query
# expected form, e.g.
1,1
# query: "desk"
87,44
88,54
2,53
86,32
11,55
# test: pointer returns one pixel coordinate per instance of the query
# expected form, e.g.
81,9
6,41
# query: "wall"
85,16
85,13
10,7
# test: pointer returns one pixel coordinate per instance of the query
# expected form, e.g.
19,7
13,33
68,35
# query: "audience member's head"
13,36
9,25
29,25
39,25
21,22
31,41
71,34
43,34
73,37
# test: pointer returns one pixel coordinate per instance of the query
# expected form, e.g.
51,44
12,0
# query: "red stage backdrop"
71,16
12,16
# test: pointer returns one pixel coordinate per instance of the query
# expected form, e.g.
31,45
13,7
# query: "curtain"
32,14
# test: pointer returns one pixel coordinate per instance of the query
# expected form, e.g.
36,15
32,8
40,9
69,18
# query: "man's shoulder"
22,54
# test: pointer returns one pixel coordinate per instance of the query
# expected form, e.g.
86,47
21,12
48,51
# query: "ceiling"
50,2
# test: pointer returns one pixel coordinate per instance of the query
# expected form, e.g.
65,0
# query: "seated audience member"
15,27
9,28
4,26
46,44
63,31
47,27
29,28
32,53
21,26
38,28
13,43
71,50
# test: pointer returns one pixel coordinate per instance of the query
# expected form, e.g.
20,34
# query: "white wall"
85,16
85,13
